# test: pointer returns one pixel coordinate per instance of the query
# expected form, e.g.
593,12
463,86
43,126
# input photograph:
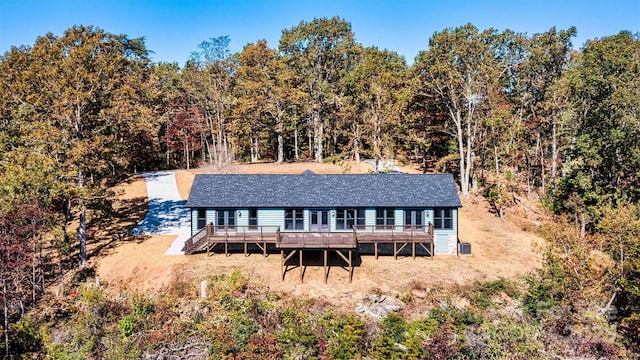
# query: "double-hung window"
253,218
293,219
442,218
347,218
226,218
385,218
202,218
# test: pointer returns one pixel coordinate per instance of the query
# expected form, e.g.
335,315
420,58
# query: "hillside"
500,249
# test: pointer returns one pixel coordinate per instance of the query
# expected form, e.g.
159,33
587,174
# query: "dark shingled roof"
323,191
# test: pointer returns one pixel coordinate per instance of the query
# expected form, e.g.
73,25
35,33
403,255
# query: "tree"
207,79
542,93
603,152
20,262
78,99
320,52
461,69
184,134
378,94
265,98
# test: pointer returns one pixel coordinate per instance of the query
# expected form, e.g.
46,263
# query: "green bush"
127,326
512,338
297,335
344,335
482,293
24,338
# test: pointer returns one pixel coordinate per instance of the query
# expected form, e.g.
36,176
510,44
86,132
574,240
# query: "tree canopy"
511,115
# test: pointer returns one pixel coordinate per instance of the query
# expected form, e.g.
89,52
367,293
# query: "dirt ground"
499,249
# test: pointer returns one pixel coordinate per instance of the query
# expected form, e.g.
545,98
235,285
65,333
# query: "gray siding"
370,216
332,220
211,216
194,221
305,219
429,216
446,239
242,217
271,217
398,218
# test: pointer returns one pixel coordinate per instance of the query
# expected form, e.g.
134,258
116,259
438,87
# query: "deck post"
326,274
413,248
226,242
395,252
301,267
375,248
282,263
350,266
431,246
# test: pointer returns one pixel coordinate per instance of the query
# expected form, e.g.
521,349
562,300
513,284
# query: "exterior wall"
271,217
398,218
370,216
305,220
242,217
332,220
446,240
211,216
194,221
428,216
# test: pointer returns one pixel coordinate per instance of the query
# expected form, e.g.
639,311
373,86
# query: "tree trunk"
6,318
82,229
554,155
280,148
295,142
254,148
464,175
186,152
356,144
318,134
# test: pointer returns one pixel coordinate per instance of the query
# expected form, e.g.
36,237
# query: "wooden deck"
291,243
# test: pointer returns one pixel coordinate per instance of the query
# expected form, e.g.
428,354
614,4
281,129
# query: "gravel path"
167,214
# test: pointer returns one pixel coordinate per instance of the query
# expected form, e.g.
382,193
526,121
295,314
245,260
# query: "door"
226,219
202,218
414,219
319,220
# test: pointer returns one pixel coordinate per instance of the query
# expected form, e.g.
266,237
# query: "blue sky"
174,28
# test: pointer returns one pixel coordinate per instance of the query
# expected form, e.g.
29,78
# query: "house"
324,212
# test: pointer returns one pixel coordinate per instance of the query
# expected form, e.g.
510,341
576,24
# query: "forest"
511,115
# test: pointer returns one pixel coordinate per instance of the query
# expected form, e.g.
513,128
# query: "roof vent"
308,172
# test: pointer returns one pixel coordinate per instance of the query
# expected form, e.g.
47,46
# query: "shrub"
511,338
343,335
127,326
24,338
482,293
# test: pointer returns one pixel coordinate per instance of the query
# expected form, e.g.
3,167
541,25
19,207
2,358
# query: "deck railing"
212,234
391,232
316,239
241,231
196,241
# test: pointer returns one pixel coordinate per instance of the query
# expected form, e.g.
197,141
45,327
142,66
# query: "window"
226,218
202,218
346,218
442,218
414,219
293,219
253,218
384,218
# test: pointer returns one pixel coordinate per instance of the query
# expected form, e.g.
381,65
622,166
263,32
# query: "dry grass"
500,249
